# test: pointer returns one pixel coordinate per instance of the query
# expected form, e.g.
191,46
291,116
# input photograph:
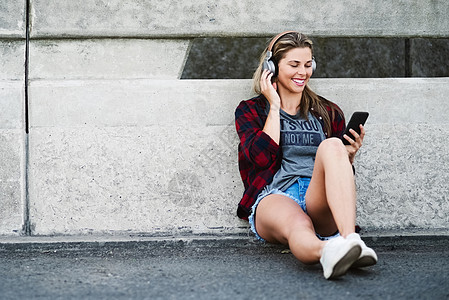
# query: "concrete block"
12,62
402,169
402,175
166,179
107,58
390,100
224,58
245,18
359,57
343,57
12,100
134,156
12,162
428,57
12,18
160,156
12,186
104,103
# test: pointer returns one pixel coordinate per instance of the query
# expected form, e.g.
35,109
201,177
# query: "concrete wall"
119,144
337,57
12,99
236,18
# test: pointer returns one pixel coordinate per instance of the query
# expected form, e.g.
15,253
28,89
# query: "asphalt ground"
216,268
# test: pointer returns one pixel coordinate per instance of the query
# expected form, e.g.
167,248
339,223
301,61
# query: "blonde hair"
310,101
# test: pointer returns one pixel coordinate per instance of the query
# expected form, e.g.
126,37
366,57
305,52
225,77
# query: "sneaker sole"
345,262
364,262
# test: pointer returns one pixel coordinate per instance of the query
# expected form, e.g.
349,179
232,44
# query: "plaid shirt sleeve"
259,155
257,146
338,124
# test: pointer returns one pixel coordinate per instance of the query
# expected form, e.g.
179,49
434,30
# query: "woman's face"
295,69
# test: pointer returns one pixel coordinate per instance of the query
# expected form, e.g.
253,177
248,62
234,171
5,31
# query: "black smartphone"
357,118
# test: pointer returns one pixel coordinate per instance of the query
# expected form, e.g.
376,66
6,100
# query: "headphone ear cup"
269,65
313,65
273,67
265,65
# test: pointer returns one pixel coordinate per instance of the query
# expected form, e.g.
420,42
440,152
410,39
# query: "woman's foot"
367,257
338,255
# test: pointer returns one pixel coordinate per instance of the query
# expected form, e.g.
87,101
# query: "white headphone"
270,64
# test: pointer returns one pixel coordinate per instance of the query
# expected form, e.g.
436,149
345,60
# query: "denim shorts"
296,192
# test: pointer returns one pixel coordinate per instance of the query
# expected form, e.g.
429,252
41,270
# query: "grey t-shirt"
299,141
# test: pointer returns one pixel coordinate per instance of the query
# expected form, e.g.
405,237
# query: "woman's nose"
301,69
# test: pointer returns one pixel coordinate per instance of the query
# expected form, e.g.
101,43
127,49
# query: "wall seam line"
27,224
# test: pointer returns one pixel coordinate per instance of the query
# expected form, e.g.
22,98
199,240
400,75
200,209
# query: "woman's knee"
333,146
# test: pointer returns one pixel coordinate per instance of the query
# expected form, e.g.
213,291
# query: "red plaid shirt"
259,156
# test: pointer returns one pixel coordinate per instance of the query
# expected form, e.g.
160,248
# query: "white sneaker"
367,258
338,255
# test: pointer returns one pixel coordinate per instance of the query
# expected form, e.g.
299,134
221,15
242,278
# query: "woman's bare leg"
331,196
280,219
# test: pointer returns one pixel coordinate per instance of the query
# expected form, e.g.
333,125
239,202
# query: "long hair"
309,101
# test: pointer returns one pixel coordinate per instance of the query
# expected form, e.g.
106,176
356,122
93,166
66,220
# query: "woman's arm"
260,141
338,127
272,124
257,146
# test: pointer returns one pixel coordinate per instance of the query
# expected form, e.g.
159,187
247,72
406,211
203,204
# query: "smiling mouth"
298,81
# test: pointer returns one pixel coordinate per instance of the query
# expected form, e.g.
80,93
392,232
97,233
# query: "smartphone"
357,118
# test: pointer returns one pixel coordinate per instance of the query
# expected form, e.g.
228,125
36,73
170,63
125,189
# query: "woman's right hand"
268,89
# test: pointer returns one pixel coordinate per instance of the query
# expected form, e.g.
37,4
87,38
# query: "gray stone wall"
117,143
192,18
12,133
337,57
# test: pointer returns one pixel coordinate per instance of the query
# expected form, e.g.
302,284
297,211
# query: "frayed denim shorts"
296,192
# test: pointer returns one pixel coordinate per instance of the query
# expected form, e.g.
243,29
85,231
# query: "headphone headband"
276,38
269,63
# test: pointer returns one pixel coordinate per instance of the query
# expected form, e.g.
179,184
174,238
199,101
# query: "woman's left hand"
354,145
